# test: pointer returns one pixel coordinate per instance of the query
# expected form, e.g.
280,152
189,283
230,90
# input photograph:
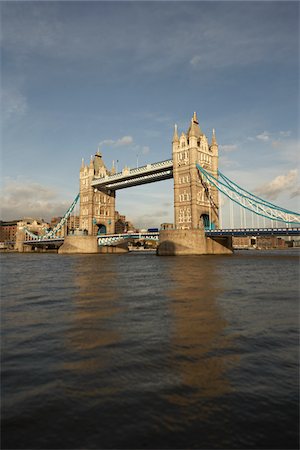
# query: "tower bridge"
197,187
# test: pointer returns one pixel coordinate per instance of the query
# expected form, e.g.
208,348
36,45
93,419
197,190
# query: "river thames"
137,351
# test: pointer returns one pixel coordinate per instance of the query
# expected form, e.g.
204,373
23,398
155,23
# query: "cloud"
295,193
195,60
155,218
122,142
285,133
228,148
13,103
182,33
227,163
280,184
125,140
29,199
145,150
265,136
287,150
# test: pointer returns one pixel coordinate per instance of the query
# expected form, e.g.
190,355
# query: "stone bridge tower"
196,203
97,209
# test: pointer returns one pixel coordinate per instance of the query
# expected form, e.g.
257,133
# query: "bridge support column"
88,244
20,238
79,244
191,242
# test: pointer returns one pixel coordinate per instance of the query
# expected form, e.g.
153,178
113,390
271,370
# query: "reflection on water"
135,351
198,336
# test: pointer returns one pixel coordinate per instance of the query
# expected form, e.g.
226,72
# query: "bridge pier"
88,244
192,242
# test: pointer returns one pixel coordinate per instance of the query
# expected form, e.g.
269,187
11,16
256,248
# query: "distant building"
259,242
35,226
55,221
73,222
130,226
8,231
166,226
243,242
120,223
268,242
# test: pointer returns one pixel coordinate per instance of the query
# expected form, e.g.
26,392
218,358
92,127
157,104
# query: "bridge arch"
101,228
207,222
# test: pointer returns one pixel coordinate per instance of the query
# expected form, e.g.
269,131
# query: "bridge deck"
155,235
254,232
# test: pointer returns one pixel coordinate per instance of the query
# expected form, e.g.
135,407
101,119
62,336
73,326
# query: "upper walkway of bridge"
150,173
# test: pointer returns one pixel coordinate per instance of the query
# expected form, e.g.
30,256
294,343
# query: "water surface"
139,351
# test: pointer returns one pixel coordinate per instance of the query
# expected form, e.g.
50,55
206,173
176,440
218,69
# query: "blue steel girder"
249,201
52,233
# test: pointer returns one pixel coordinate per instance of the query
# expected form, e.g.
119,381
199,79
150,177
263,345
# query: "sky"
116,76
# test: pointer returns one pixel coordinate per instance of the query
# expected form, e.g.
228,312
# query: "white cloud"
145,150
265,136
125,140
29,199
227,163
285,133
195,60
122,142
287,150
228,148
280,184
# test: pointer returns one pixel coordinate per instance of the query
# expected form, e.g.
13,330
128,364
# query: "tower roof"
194,129
98,161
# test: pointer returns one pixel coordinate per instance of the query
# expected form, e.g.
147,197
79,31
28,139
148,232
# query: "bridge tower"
97,209
196,203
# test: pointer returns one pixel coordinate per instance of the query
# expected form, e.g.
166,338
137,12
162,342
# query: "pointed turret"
98,162
175,135
194,129
82,165
213,139
113,169
215,152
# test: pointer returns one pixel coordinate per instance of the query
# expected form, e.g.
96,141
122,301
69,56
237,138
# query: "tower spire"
213,139
175,135
91,162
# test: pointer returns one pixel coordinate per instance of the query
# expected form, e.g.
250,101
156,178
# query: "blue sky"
119,75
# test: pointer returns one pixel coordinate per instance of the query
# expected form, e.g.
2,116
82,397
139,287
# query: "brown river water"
137,351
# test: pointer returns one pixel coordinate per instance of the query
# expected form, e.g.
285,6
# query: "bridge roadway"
254,232
114,239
